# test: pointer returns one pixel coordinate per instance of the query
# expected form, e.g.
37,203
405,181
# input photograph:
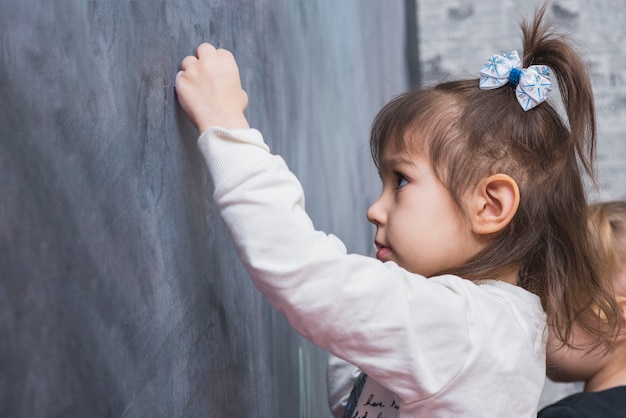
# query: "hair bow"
532,84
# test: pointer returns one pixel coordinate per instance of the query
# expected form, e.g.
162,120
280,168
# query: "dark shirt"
610,403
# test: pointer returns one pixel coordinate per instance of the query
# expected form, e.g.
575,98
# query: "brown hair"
469,134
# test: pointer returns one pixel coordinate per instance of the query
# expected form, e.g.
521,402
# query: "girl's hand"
209,89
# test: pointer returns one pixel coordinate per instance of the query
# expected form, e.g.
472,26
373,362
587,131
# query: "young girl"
603,369
480,223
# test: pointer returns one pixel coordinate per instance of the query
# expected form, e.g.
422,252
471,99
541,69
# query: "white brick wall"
457,36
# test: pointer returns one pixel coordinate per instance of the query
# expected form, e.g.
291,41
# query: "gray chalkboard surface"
120,294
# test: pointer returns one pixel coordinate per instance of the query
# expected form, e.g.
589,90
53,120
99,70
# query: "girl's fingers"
225,53
188,61
205,49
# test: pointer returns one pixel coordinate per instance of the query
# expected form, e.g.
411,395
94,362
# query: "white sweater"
442,347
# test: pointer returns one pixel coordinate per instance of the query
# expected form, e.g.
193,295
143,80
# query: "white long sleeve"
445,346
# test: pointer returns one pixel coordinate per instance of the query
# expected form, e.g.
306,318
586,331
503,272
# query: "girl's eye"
401,181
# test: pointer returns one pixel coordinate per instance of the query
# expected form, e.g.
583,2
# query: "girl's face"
598,368
565,364
418,224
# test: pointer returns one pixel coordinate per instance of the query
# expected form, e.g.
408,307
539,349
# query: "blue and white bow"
532,84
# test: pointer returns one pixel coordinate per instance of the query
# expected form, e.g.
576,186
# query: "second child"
602,367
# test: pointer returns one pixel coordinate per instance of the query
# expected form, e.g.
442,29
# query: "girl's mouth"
383,252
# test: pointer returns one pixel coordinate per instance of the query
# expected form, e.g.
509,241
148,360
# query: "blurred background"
120,294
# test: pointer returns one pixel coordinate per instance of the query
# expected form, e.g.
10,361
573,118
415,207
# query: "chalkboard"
120,294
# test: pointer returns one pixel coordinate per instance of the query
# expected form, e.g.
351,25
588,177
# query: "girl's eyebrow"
396,160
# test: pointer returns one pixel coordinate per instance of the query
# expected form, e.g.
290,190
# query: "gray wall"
120,294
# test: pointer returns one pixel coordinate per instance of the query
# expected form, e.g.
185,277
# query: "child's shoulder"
496,296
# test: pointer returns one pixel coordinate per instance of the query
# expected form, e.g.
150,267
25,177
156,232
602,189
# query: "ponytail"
576,286
544,47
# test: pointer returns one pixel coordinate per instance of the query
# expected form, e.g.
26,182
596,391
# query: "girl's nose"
376,213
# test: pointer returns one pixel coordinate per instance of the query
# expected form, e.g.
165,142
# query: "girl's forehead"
410,146
396,157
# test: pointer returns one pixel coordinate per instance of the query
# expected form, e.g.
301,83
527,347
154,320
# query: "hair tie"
514,76
531,84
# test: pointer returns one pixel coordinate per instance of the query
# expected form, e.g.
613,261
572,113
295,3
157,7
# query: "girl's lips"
383,253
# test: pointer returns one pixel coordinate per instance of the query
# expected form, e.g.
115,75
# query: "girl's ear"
493,204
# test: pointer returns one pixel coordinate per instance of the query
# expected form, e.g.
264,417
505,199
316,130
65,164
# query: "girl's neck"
612,375
511,277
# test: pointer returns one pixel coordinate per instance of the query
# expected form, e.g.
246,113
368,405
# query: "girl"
603,369
480,224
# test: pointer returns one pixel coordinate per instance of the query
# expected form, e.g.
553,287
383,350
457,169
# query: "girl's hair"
469,134
607,222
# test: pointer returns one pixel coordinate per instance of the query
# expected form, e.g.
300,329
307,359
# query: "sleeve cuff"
228,152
